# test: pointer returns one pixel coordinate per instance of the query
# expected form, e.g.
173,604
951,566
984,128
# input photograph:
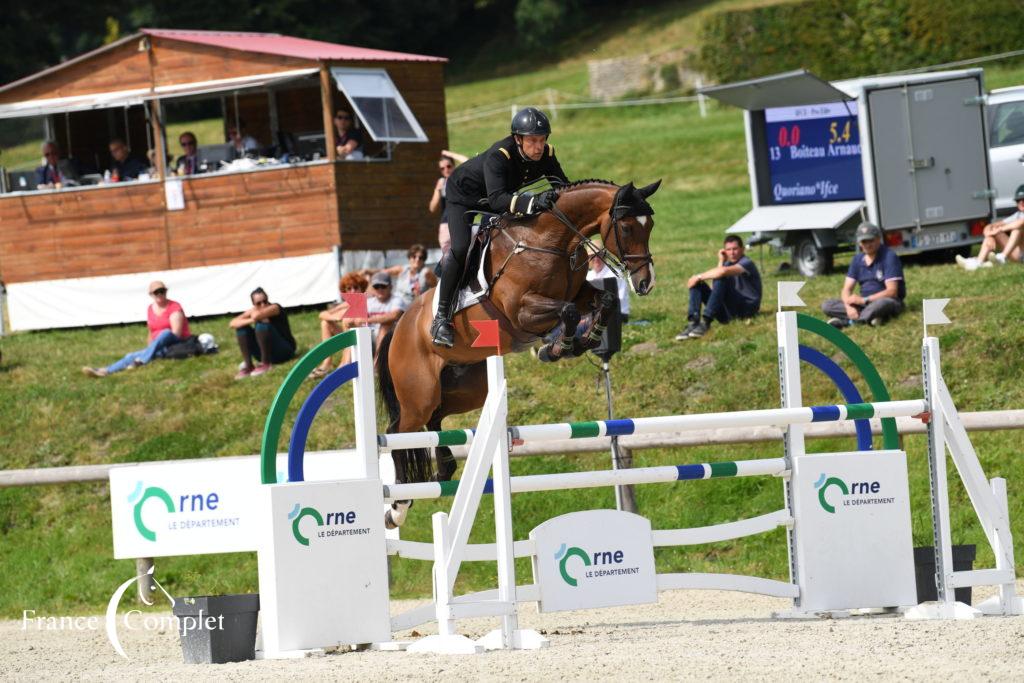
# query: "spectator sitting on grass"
332,321
383,308
263,333
879,273
167,325
1004,235
735,291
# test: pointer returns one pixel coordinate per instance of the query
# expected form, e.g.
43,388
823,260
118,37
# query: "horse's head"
626,232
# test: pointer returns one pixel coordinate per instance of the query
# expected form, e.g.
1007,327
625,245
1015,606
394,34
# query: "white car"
1006,144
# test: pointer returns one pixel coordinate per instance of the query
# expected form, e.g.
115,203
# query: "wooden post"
627,492
327,103
158,138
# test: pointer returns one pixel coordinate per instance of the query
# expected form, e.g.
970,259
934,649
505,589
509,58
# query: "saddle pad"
474,291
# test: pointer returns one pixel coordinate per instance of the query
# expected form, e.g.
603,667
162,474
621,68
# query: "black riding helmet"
531,121
1019,194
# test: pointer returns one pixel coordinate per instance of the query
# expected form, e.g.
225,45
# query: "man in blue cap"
879,273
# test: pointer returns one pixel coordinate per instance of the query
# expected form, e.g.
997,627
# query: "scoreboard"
813,153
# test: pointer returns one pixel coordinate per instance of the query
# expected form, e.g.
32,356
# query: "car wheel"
810,259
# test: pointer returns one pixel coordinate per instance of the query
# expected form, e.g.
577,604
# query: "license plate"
934,239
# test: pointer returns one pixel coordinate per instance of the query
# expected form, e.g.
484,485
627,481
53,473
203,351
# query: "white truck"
1006,145
909,153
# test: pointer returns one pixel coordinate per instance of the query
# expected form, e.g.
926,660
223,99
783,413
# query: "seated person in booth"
263,333
1002,235
167,325
242,144
878,271
348,138
188,162
55,172
124,166
735,290
333,321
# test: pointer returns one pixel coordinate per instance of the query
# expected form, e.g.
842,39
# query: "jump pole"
600,478
773,417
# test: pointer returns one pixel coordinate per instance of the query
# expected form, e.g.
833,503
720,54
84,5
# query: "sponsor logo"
833,492
596,565
330,525
194,507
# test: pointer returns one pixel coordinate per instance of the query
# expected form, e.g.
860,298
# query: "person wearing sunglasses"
167,326
263,334
438,201
348,138
412,279
55,172
188,162
383,307
333,320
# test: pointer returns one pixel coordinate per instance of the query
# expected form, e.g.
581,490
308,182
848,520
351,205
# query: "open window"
379,105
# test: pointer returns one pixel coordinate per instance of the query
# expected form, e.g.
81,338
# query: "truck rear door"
930,153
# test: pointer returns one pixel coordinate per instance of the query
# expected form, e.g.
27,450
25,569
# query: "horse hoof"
395,517
545,355
446,469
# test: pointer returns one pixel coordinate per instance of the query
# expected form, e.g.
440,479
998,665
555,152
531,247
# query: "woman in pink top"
167,325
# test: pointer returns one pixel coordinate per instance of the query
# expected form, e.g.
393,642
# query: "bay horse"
536,268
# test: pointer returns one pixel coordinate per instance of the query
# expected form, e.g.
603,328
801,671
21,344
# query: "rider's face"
532,145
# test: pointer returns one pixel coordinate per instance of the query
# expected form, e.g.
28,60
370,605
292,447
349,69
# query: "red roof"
286,46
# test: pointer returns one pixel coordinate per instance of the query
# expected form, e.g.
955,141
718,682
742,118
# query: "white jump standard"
323,570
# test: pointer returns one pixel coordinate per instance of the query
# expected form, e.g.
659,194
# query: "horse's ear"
646,192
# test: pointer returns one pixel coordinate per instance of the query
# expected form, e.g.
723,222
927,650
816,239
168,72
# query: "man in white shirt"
599,270
383,307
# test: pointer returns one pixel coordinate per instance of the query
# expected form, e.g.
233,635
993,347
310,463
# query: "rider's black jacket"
495,175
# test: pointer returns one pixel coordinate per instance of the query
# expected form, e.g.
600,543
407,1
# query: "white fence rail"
983,421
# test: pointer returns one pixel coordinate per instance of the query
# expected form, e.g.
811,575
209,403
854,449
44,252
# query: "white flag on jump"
933,313
789,294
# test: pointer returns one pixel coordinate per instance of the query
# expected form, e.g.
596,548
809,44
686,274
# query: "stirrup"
441,332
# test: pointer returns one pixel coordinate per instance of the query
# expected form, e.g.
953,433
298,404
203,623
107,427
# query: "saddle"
474,285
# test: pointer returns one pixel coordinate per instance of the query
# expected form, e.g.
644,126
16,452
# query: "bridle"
585,246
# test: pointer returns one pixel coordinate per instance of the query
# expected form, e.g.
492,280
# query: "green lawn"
56,546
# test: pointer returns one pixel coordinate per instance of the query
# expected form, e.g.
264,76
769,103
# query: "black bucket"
215,629
924,566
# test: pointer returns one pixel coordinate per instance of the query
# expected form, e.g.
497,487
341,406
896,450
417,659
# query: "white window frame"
355,83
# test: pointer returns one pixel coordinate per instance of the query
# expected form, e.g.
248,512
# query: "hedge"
856,37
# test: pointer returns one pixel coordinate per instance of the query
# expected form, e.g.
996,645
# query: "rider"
490,181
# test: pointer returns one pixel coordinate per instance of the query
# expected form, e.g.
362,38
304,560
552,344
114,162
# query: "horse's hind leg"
463,388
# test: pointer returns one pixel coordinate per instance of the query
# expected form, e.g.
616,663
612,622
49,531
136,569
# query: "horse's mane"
578,184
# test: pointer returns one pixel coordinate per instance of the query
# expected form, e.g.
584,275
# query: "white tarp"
207,290
820,215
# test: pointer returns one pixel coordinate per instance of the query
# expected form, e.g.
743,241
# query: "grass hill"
56,547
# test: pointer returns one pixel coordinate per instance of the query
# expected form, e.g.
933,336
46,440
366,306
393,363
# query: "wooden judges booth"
277,215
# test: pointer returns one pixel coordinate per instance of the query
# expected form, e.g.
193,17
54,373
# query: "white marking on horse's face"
642,220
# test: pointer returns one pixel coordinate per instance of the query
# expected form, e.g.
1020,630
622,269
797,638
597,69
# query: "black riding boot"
441,329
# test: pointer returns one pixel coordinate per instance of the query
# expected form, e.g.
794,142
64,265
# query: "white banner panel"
200,507
323,565
852,533
596,558
206,290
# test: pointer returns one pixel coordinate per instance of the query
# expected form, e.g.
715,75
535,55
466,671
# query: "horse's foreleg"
536,311
604,306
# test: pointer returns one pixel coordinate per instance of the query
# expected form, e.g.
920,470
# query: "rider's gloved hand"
543,201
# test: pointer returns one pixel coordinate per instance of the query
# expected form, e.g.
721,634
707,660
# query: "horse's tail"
414,464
